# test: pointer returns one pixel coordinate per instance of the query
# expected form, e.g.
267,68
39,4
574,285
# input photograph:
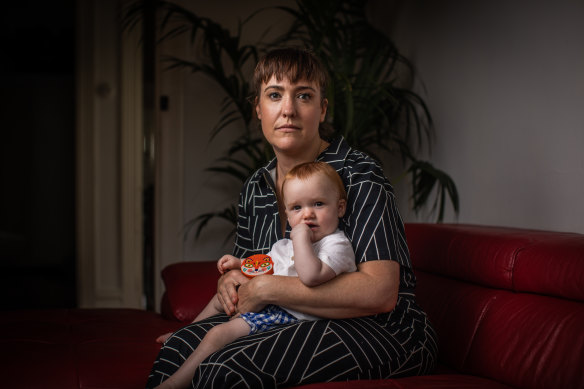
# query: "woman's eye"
304,96
274,95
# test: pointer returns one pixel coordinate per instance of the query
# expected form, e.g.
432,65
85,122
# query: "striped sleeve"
373,223
243,242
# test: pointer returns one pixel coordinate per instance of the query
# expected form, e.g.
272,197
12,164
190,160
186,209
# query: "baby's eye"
296,207
318,204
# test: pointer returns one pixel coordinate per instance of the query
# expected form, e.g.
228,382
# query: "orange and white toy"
256,265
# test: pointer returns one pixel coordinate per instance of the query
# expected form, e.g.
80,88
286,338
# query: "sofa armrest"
189,287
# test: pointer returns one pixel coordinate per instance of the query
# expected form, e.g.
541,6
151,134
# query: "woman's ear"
257,107
342,207
323,107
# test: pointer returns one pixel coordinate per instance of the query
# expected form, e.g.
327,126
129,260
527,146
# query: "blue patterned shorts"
271,316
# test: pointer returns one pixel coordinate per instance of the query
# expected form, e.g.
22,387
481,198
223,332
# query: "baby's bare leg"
216,338
213,308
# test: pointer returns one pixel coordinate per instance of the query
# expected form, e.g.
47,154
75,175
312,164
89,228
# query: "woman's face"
290,114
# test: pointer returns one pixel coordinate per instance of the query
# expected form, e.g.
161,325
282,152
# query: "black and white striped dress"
394,344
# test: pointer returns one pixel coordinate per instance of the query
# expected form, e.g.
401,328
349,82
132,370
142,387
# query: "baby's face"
315,202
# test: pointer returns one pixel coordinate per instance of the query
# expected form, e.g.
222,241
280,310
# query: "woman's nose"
288,108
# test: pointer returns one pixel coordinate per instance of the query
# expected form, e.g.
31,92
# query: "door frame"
109,159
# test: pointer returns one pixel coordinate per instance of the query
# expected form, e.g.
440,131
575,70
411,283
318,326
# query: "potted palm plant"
371,102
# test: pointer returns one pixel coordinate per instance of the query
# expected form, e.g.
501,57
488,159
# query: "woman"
374,327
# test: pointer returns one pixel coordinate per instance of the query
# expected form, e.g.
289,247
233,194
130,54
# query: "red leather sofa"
508,305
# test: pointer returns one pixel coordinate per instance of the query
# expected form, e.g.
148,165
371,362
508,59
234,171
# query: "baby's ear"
342,207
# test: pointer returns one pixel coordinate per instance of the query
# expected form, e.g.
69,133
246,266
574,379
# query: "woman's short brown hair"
293,64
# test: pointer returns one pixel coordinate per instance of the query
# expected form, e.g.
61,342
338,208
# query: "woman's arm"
370,290
229,282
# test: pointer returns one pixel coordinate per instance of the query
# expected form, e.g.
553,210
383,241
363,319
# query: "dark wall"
37,166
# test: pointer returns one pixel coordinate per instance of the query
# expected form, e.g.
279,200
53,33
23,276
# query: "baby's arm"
311,270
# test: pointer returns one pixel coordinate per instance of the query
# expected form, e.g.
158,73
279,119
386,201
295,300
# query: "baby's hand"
228,262
301,231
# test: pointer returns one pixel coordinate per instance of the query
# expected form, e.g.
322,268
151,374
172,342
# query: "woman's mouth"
287,127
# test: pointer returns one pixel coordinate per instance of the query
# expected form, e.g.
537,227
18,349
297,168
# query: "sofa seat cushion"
97,348
443,381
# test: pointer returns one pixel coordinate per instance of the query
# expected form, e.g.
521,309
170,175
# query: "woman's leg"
393,345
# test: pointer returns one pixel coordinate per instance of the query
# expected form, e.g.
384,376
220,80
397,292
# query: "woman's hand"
250,293
227,290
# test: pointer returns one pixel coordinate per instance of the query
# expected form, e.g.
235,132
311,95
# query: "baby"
314,197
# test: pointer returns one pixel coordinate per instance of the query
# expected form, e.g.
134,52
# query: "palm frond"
371,101
427,179
228,214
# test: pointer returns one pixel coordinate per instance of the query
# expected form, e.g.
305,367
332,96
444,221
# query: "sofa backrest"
188,288
508,304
